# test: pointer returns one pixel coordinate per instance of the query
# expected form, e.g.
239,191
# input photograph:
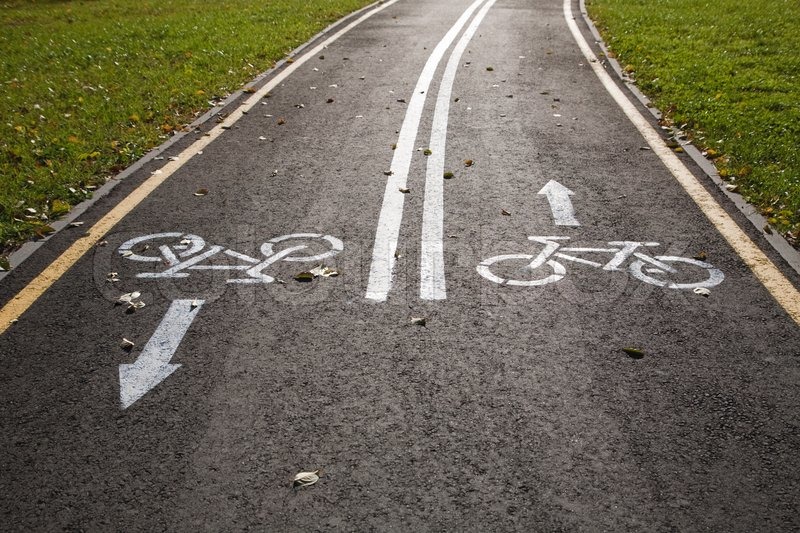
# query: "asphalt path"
452,376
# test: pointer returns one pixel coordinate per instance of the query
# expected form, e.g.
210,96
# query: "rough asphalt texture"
513,408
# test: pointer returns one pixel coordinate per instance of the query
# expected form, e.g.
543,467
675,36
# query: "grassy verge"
728,72
86,88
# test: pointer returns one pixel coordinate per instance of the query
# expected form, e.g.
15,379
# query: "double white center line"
432,286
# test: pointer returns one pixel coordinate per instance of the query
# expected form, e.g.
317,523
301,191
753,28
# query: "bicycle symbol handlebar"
188,254
661,271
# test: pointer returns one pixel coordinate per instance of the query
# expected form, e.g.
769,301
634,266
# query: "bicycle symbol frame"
644,267
185,256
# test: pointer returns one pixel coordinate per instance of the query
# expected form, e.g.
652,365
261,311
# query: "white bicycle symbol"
186,254
661,271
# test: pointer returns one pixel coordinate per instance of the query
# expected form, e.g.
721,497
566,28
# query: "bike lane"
509,406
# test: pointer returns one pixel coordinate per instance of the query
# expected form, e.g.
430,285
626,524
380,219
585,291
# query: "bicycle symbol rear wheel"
484,269
142,249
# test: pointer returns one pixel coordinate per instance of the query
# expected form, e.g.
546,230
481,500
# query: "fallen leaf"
448,175
404,190
468,162
201,192
128,297
427,151
305,479
134,306
418,321
43,231
700,256
490,69
59,207
634,353
281,121
387,172
329,100
325,272
304,277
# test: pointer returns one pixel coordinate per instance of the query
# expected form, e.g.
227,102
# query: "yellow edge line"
765,270
20,303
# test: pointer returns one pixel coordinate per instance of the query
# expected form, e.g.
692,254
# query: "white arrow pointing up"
153,365
560,204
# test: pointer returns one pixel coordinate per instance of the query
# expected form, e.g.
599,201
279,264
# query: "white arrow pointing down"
153,365
560,204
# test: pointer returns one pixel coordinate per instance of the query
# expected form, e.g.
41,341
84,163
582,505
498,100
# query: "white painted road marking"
27,296
776,283
560,203
432,278
391,215
192,244
153,365
664,275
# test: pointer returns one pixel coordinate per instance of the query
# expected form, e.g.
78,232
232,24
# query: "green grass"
730,71
87,87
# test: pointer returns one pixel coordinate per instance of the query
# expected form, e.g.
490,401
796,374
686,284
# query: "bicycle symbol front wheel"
523,261
676,278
